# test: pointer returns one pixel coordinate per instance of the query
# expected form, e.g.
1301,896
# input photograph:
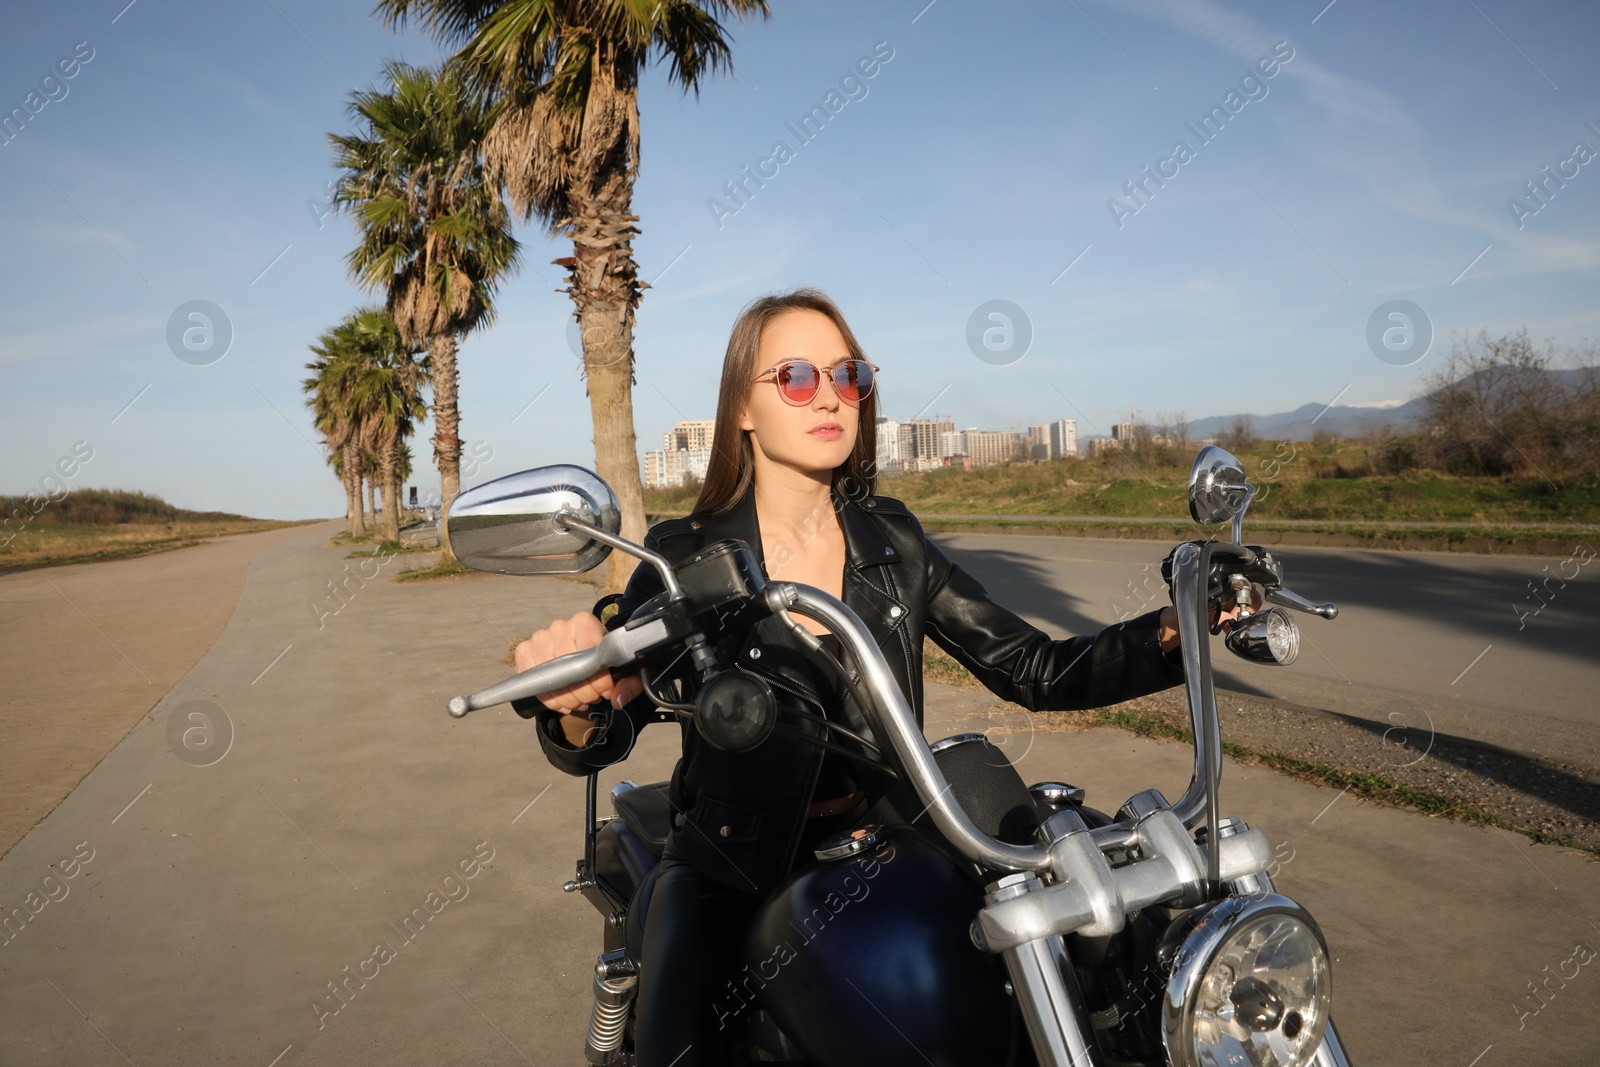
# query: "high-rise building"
1063,438
990,448
1037,448
888,444
674,467
685,454
952,443
919,442
691,435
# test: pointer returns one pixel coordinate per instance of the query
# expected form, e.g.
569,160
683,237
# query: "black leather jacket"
741,818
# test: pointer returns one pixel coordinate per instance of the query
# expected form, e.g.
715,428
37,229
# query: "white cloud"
1367,132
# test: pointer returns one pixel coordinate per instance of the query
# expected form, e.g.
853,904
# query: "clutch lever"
618,648
1289,599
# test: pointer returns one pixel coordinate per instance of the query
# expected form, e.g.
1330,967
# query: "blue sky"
976,164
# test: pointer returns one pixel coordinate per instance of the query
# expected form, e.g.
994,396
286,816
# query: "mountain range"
1298,425
1348,420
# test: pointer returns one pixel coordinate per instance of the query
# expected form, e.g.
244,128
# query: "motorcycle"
1023,926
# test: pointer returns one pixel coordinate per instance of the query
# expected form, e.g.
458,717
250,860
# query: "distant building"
667,469
1063,438
684,456
888,444
1037,448
1098,445
990,448
919,443
691,435
952,443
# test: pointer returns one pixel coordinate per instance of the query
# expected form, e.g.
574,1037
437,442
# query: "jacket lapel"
866,587
868,572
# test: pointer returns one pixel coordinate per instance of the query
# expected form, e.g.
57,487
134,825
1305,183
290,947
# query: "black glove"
1254,562
1166,567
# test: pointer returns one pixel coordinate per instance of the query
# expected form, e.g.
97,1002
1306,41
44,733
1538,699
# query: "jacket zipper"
912,676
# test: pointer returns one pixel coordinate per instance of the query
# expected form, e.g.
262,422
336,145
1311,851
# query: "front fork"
1046,987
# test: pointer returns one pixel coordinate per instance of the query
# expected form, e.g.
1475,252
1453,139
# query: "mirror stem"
566,519
1238,518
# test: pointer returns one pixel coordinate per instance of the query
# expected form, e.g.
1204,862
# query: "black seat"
646,812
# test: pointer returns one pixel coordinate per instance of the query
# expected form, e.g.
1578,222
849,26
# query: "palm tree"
565,147
402,464
365,394
334,415
387,392
434,233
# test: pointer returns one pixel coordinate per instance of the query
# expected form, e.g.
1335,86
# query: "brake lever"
1289,599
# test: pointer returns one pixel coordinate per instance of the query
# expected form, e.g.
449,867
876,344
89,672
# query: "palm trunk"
608,362
446,430
372,504
604,285
391,488
352,489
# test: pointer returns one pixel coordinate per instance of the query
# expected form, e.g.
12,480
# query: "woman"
792,473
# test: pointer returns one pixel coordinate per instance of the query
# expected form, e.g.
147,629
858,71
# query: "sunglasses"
799,379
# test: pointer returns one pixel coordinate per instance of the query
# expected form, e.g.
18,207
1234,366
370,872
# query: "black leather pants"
692,1007
693,939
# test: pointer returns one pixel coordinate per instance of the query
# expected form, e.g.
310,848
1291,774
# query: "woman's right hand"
561,637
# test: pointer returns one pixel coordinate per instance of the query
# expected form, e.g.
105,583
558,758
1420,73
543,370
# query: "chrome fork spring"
613,997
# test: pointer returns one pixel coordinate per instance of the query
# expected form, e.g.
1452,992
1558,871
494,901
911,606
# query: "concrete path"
87,650
195,902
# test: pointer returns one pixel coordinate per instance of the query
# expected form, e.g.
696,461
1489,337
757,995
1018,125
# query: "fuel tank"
864,957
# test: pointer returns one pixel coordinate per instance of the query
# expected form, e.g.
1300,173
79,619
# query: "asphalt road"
195,901
1424,640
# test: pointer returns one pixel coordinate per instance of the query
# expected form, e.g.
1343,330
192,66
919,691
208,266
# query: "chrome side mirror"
508,526
1218,491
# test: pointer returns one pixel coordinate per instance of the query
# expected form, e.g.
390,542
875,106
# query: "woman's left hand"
1226,618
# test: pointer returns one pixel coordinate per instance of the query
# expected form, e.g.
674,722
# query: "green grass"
386,548
447,567
1329,481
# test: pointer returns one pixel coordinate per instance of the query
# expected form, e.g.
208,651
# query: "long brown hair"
731,470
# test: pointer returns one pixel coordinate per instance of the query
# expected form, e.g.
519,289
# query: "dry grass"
50,544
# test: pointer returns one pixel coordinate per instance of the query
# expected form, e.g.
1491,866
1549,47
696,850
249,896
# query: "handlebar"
1070,854
617,648
893,718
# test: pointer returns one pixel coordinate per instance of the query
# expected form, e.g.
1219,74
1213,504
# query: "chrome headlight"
1269,636
1250,985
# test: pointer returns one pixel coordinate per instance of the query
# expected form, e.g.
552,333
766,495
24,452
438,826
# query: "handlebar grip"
615,649
535,681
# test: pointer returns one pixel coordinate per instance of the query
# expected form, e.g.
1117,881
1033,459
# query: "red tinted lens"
852,379
798,382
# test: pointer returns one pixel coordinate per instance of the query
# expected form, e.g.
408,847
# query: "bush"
1499,406
1395,453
